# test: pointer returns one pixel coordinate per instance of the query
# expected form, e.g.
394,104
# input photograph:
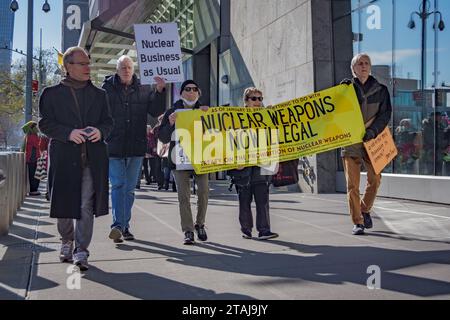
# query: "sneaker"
246,234
66,253
80,259
128,236
267,235
115,234
174,187
201,233
189,238
368,224
358,229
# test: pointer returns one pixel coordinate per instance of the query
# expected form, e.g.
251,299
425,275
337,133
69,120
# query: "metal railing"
13,187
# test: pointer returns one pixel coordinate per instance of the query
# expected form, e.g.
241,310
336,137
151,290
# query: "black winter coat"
166,130
129,109
59,116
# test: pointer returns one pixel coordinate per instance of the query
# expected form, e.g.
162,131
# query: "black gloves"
346,81
370,134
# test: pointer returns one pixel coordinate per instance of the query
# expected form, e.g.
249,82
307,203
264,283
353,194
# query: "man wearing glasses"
190,95
75,115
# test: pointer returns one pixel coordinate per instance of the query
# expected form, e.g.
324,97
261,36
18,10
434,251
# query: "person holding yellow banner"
376,109
190,95
251,182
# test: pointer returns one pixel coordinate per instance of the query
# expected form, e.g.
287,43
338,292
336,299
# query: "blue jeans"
123,175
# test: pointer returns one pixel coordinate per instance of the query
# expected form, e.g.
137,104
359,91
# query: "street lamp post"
423,14
29,94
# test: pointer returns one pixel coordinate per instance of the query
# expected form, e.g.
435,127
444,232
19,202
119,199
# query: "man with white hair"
376,110
130,102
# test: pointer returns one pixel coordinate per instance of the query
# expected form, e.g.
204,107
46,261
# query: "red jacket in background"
32,148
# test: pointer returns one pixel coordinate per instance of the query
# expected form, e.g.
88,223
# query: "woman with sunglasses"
190,95
252,183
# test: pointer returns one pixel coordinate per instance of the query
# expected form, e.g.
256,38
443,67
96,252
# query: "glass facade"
409,51
181,11
6,35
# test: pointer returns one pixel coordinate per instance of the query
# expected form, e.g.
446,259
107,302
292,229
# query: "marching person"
75,116
190,94
376,109
130,102
251,183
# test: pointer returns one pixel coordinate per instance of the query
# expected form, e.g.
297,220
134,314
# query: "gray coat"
376,110
59,117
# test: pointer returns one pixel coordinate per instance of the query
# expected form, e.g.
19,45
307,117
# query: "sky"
49,22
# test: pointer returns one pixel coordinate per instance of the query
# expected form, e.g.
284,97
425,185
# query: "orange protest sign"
381,150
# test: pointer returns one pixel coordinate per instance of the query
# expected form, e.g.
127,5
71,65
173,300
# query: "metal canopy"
111,34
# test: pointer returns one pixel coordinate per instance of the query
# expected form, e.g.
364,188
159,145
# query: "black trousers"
34,183
146,169
260,192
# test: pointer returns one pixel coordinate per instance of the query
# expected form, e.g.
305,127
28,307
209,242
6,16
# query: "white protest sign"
159,52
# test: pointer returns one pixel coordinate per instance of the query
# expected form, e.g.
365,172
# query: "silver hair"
358,58
122,59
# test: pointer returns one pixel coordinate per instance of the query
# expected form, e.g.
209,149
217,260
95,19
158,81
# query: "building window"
180,11
412,64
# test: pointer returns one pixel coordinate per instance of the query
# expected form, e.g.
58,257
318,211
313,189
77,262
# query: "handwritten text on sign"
381,150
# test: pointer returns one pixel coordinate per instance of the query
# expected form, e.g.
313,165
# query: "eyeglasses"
188,89
83,64
255,98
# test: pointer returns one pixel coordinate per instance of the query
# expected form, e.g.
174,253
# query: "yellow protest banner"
225,138
381,150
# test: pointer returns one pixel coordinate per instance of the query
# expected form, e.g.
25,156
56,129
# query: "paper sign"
159,52
381,150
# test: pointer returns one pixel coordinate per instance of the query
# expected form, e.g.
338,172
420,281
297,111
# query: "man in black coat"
130,102
75,115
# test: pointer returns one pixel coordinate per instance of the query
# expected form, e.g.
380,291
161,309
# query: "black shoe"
246,234
174,187
138,187
189,238
267,235
368,224
128,236
201,233
358,230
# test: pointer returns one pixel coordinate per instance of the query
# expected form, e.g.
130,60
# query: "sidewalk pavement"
315,257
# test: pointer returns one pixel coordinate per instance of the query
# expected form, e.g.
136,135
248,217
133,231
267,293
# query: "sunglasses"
255,98
189,89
